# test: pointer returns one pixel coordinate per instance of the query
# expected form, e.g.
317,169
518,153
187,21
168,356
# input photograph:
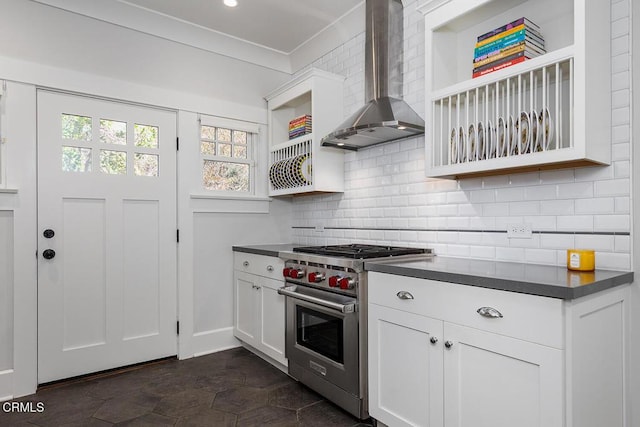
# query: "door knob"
48,233
49,253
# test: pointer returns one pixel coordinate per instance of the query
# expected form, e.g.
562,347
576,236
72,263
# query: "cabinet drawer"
528,317
258,264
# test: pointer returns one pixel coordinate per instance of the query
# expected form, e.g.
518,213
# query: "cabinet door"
491,380
405,368
246,305
273,319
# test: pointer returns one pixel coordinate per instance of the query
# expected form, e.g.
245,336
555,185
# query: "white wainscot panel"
141,268
6,294
84,239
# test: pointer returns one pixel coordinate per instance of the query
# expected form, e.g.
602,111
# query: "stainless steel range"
326,318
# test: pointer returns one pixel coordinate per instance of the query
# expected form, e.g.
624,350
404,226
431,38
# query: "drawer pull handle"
433,340
489,312
269,267
448,344
404,295
246,263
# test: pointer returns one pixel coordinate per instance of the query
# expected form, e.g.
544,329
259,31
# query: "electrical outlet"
519,231
319,228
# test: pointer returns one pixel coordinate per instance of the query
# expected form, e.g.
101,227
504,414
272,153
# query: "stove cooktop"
359,251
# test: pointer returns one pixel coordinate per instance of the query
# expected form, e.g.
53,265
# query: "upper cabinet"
551,111
297,162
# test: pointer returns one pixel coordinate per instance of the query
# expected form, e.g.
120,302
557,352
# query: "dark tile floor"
229,388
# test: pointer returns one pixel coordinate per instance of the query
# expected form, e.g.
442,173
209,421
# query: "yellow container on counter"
581,259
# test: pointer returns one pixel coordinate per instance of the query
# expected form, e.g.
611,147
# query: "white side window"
227,155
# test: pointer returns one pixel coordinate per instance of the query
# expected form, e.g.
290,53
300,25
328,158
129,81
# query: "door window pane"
224,150
225,176
146,136
113,132
207,147
76,159
145,164
113,162
207,132
76,127
239,137
240,151
224,135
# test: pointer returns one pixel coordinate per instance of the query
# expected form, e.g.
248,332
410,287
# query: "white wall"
45,35
18,316
44,46
388,199
6,289
634,327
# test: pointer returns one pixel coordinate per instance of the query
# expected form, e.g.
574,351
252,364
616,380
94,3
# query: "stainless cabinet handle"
448,344
433,340
269,267
489,312
246,263
404,295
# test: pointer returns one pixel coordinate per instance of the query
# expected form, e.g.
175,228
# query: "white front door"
107,292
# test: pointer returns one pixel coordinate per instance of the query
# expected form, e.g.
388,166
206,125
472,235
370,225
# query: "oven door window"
320,332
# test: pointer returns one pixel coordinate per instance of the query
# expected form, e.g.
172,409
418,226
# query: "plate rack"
523,114
291,165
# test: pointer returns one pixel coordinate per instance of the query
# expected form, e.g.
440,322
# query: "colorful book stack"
506,46
300,126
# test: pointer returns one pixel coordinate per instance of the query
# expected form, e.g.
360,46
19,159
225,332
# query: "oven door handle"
289,291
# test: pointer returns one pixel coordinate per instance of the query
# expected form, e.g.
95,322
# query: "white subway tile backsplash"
575,223
622,205
524,208
595,206
612,223
509,194
613,187
575,190
595,242
389,200
557,207
557,241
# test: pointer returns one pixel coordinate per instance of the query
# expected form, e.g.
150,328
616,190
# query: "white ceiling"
283,35
281,25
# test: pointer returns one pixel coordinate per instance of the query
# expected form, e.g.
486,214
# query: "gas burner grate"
359,251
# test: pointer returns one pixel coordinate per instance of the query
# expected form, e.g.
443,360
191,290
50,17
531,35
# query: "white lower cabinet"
435,361
259,311
498,381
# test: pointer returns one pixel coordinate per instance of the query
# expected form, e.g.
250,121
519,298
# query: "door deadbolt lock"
48,233
48,253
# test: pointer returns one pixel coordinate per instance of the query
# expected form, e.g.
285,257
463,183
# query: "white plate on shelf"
536,143
512,141
306,170
472,142
462,145
523,133
453,146
545,122
501,139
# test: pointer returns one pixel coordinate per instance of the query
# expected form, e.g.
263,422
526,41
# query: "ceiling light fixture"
231,3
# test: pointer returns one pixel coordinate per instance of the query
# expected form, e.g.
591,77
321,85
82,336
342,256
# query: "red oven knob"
346,283
295,273
286,271
333,281
316,277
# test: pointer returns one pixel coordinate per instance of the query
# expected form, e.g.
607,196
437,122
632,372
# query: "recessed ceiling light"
231,3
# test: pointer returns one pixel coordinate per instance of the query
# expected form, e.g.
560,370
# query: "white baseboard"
213,341
6,385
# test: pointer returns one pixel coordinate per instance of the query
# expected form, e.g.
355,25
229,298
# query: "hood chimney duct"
385,116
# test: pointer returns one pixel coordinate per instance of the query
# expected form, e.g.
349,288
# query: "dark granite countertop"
267,250
542,280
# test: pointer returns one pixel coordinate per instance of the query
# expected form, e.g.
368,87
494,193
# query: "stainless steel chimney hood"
385,116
